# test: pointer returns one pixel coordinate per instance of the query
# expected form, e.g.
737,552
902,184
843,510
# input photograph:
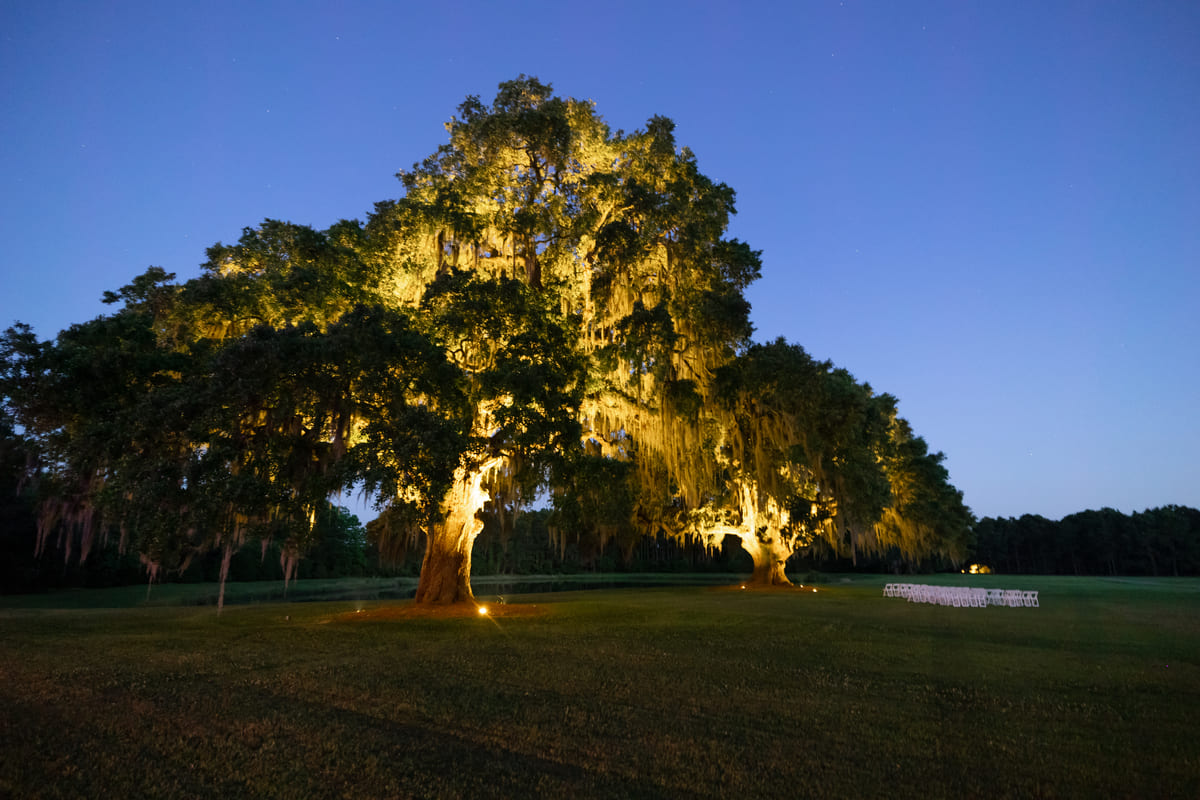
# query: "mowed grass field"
678,692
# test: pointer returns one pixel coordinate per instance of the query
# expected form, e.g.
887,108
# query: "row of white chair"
961,596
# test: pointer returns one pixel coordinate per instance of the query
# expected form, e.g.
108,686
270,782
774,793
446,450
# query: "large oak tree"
548,301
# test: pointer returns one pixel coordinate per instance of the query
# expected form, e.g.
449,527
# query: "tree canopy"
550,305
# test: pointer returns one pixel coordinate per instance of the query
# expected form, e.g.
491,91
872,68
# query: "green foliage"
803,442
593,506
519,359
18,525
926,514
277,274
341,549
523,548
186,445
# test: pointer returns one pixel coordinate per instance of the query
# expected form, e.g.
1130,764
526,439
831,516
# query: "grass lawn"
677,692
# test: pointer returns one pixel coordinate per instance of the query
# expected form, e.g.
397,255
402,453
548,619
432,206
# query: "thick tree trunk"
769,559
762,539
770,573
446,569
760,535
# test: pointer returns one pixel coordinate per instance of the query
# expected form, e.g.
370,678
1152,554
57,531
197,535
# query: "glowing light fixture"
483,610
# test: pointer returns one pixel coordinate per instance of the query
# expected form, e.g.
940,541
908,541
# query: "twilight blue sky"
988,209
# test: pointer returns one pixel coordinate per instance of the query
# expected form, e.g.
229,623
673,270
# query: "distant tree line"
1159,541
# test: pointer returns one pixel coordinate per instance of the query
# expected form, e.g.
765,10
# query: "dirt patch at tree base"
768,587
